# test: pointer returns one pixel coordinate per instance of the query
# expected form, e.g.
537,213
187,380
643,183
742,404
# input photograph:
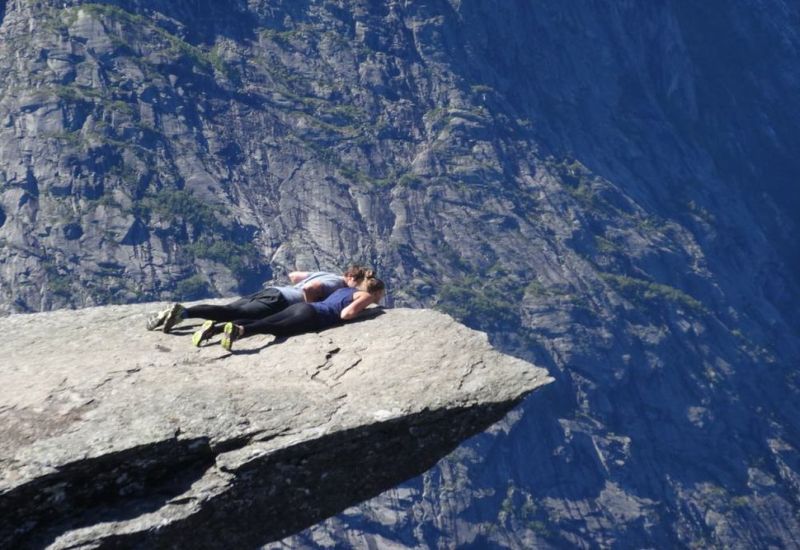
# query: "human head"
355,274
373,285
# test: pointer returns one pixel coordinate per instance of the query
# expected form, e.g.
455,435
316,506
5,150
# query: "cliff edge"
114,436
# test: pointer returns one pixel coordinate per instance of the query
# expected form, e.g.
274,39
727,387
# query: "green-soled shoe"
206,331
229,334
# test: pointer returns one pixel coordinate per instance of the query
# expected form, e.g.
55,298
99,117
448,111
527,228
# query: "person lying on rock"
306,286
341,306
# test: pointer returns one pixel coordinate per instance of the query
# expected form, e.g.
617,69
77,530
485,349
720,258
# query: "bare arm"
313,291
360,302
297,276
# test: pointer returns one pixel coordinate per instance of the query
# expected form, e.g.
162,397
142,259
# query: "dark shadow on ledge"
111,487
293,488
365,315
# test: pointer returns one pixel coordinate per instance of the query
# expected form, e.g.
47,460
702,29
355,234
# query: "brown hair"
372,284
359,273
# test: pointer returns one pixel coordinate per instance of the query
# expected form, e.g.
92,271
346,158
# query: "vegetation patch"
75,93
642,291
192,288
206,60
196,226
537,290
236,257
177,205
59,280
485,303
605,246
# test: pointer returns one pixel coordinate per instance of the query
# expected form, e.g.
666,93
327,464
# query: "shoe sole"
227,337
203,334
173,317
156,320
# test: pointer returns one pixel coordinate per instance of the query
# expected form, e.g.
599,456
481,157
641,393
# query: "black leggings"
295,319
261,304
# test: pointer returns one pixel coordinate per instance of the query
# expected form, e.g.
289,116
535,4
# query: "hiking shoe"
155,320
207,330
229,334
174,316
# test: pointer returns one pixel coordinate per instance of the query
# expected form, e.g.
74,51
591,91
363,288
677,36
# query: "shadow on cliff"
188,329
646,442
288,490
295,488
643,430
113,487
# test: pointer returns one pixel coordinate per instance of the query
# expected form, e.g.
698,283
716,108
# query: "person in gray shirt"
306,287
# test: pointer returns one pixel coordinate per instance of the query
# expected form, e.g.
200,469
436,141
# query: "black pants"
255,306
295,319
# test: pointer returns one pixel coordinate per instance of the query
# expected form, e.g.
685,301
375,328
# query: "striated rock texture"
609,189
116,437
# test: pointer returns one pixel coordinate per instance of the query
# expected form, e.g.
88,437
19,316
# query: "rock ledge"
114,436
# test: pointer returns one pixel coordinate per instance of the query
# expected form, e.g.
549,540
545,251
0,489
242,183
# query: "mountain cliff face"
608,189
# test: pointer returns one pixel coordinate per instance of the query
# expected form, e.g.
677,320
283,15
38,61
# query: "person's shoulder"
331,278
322,275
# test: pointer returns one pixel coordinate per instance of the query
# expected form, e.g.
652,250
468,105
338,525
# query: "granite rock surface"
114,436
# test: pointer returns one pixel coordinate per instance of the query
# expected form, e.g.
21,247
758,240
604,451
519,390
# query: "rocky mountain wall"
607,189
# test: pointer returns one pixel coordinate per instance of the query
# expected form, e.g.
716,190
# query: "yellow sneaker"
229,334
207,330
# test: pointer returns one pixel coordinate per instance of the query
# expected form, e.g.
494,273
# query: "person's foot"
207,330
229,334
157,319
174,316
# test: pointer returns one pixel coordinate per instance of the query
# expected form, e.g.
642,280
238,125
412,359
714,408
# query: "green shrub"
236,257
210,238
409,180
207,61
58,280
642,291
192,288
605,246
171,205
482,302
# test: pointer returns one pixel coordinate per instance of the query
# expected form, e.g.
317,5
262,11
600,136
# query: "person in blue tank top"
341,306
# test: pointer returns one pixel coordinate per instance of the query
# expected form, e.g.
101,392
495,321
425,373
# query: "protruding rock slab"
114,436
